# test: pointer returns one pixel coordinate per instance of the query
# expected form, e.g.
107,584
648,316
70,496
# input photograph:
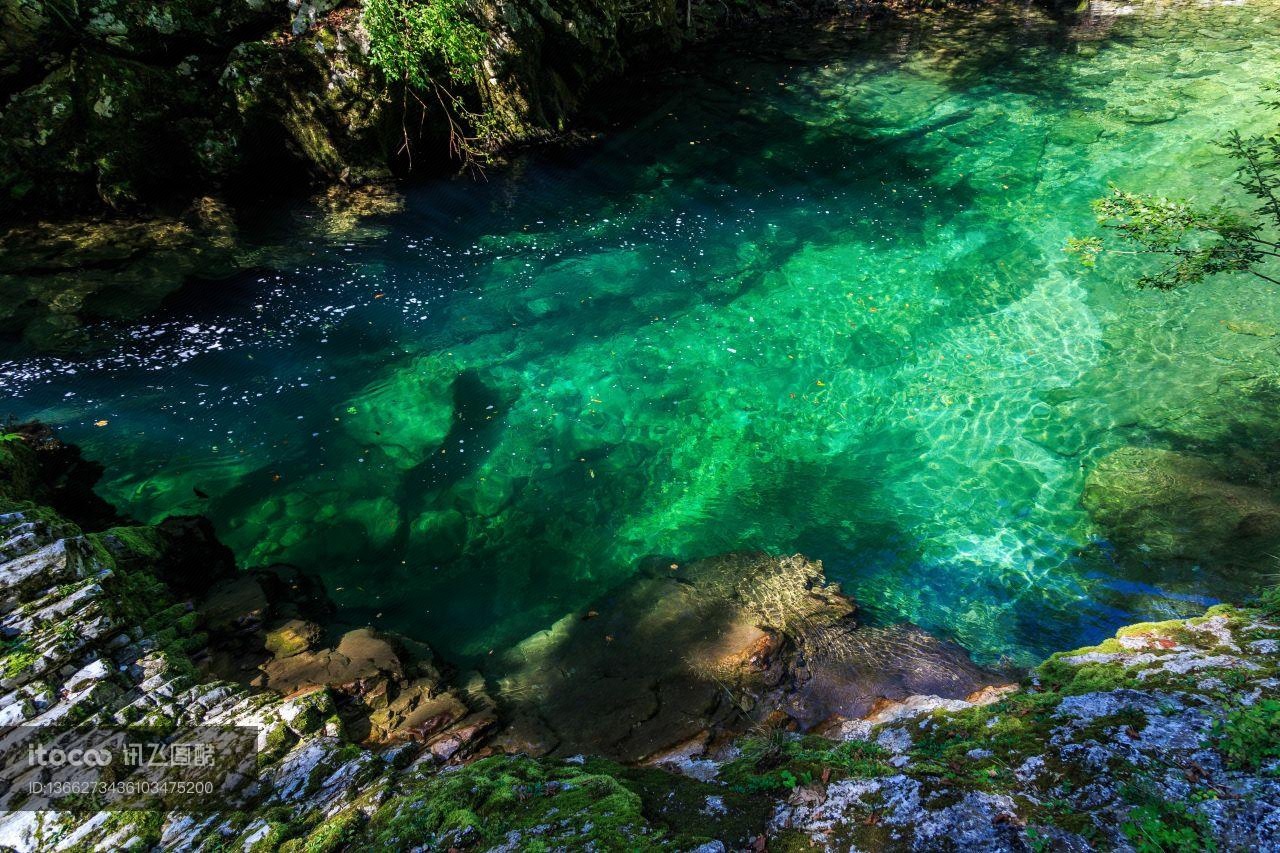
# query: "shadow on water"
478,413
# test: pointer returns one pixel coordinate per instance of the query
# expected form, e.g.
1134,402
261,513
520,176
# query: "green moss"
1062,813
1101,728
16,656
1269,602
677,805
19,471
278,741
138,595
1156,824
1006,732
1170,629
791,841
277,833
334,834
482,803
1070,679
145,826
287,641
776,762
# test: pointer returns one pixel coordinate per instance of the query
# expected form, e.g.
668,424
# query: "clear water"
815,300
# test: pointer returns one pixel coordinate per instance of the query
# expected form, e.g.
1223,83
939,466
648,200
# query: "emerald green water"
815,300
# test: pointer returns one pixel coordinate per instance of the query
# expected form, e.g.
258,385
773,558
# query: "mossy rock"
144,29
293,637
543,805
19,470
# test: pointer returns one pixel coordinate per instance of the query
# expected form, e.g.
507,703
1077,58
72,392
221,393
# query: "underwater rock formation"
57,277
1174,506
704,649
60,277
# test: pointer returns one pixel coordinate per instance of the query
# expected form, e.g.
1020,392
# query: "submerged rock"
61,277
715,644
57,276
1170,505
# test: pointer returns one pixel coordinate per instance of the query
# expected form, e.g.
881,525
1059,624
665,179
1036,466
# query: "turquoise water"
814,300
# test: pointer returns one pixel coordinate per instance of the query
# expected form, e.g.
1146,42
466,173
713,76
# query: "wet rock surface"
713,645
65,281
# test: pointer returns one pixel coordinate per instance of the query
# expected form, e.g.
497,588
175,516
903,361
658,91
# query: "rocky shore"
730,703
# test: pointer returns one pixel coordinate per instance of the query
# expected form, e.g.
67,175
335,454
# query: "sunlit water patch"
815,301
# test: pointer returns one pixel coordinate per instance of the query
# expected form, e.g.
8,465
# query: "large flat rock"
711,646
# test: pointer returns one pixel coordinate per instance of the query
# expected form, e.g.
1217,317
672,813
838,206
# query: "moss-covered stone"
19,471
293,637
545,805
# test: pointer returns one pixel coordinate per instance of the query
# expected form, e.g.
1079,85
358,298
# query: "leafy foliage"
1251,735
1165,827
1269,601
410,41
407,39
1194,241
776,762
1157,824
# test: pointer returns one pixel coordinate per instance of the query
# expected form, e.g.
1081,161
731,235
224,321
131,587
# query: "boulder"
314,100
713,645
421,710
362,662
